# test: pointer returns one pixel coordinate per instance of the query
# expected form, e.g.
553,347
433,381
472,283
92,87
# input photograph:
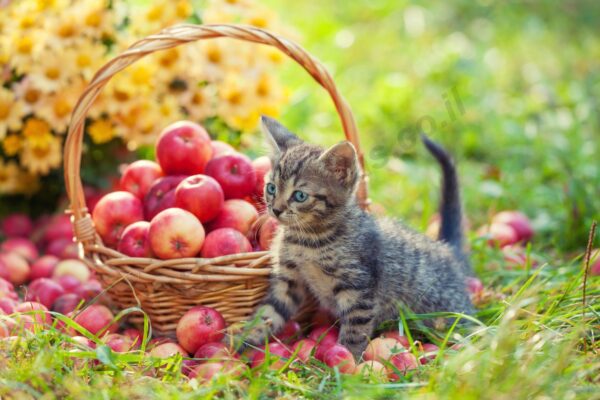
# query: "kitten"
358,267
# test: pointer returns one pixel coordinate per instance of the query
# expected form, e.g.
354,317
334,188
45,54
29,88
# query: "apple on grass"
339,356
474,286
17,225
166,350
43,267
89,290
44,291
24,247
96,318
183,148
235,174
8,305
237,214
201,195
324,334
7,289
113,213
118,343
14,268
198,326
75,268
382,349
278,355
139,176
402,362
175,233
225,241
66,303
161,195
403,340
37,311
304,348
518,221
430,352
134,241
135,335
499,235
369,368
205,372
290,332
215,351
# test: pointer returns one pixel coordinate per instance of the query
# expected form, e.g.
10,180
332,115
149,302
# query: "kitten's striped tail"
451,227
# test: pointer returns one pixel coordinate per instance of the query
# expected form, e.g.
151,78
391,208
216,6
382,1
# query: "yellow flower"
101,131
12,145
11,112
37,132
56,108
41,158
9,177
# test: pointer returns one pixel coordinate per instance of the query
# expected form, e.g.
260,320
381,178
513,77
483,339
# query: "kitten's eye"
299,196
271,189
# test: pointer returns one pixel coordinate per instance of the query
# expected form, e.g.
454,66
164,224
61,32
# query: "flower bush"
50,49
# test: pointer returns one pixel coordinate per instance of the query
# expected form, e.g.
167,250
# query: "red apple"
175,233
89,290
82,340
220,148
518,221
237,214
277,353
14,268
594,267
201,195
43,267
66,303
74,268
339,356
381,349
321,349
58,226
474,286
118,343
235,174
37,311
6,288
499,234
23,247
267,232
403,340
262,166
8,305
404,362
135,336
134,241
225,241
69,283
166,350
58,247
113,213
139,176
183,148
304,347
206,371
369,368
215,351
324,334
430,351
96,318
44,290
161,195
290,332
17,225
198,326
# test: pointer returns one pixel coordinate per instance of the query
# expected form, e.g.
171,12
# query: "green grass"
526,76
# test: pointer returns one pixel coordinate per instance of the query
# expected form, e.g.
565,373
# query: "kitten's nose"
277,212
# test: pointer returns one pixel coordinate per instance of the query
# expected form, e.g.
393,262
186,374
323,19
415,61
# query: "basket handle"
166,39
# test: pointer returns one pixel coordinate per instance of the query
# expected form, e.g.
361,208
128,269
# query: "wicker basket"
165,289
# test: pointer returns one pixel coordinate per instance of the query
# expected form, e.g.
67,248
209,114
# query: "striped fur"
359,267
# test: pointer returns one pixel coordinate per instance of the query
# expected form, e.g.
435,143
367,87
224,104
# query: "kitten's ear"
342,162
279,138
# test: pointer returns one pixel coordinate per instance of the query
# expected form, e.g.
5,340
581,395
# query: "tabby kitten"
358,267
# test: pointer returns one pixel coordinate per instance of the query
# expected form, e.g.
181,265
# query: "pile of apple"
202,199
200,334
56,280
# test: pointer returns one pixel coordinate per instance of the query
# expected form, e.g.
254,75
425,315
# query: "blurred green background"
512,88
